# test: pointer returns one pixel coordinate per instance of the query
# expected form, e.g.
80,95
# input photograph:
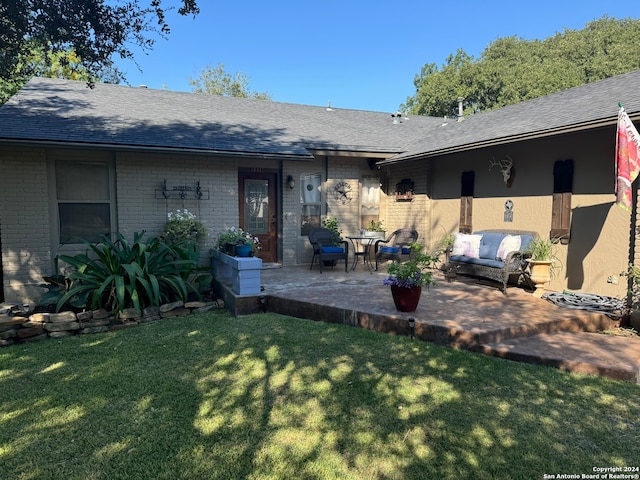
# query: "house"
78,162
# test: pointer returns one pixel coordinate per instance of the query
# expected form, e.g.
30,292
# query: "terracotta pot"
406,298
540,273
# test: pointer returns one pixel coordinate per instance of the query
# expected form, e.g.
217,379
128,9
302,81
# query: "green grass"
272,397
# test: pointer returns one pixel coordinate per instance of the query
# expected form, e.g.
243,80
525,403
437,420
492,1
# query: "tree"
62,64
215,81
512,69
94,29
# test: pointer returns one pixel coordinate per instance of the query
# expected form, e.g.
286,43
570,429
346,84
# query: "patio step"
617,357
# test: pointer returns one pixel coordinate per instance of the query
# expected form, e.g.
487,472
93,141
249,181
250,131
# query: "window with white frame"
84,199
310,202
370,201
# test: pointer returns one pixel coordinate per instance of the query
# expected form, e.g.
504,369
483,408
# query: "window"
466,202
310,202
84,195
370,201
561,209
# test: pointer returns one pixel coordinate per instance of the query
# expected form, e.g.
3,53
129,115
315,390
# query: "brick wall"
138,176
24,223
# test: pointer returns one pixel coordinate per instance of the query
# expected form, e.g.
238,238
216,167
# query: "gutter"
193,151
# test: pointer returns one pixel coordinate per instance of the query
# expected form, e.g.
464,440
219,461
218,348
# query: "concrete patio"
465,313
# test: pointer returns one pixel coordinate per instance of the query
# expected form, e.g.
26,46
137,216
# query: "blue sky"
355,54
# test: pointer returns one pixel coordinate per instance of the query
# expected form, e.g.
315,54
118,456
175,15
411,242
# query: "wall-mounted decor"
182,192
343,193
506,169
404,190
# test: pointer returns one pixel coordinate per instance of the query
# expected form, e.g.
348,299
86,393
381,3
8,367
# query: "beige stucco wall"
598,250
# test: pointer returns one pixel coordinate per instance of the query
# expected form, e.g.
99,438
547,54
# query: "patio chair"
324,249
396,246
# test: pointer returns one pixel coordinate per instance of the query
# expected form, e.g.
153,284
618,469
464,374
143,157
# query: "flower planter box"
241,273
373,234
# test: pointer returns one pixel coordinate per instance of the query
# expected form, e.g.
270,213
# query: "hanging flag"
627,159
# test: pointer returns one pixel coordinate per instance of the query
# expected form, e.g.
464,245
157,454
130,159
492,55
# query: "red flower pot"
406,298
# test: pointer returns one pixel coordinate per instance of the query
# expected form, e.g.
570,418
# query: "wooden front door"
258,211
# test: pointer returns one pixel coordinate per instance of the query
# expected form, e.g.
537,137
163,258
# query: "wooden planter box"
241,273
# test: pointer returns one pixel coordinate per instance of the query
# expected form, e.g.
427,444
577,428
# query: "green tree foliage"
49,64
215,81
512,69
95,30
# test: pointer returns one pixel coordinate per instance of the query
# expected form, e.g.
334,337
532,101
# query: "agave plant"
115,274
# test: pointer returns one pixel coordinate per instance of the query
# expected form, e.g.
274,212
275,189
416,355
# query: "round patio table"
361,247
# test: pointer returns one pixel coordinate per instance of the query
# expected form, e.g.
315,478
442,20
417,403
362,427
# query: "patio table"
365,244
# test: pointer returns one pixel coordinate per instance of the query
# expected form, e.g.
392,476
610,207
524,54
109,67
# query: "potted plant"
374,229
183,225
235,241
541,256
331,223
406,279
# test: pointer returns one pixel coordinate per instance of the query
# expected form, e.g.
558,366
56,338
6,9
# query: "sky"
353,54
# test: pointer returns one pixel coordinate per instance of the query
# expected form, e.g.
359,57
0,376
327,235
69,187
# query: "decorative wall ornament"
182,192
505,166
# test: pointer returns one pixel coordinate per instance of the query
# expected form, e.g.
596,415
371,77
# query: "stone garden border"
18,326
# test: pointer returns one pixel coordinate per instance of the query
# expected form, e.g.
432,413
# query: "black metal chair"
325,249
396,246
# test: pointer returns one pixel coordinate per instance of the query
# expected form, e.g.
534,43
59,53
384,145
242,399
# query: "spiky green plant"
116,274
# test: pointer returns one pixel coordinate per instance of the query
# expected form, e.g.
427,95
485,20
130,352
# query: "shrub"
183,225
331,223
120,275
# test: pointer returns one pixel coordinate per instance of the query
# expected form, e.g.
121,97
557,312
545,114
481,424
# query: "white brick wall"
24,223
138,176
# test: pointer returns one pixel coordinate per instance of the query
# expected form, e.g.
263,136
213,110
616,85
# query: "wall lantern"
290,183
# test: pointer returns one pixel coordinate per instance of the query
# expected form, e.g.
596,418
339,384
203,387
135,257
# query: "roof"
54,111
63,112
585,107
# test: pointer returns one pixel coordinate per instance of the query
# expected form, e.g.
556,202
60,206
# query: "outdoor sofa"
493,254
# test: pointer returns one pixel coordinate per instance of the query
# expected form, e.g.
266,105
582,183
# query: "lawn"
273,397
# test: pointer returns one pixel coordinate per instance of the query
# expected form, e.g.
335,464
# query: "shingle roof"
51,110
586,106
61,111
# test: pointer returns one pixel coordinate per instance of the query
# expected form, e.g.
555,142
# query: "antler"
504,165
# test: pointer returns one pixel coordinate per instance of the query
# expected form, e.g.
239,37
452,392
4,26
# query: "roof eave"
577,127
151,148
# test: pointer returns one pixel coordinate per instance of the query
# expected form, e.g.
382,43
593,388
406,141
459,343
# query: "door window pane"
256,206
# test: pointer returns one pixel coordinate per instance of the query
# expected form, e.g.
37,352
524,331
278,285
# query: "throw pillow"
467,245
510,243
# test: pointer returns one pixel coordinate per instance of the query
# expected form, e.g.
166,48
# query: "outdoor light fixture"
412,326
290,182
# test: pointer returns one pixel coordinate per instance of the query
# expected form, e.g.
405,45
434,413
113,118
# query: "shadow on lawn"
274,397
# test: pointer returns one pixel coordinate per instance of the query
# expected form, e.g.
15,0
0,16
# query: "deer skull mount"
506,169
